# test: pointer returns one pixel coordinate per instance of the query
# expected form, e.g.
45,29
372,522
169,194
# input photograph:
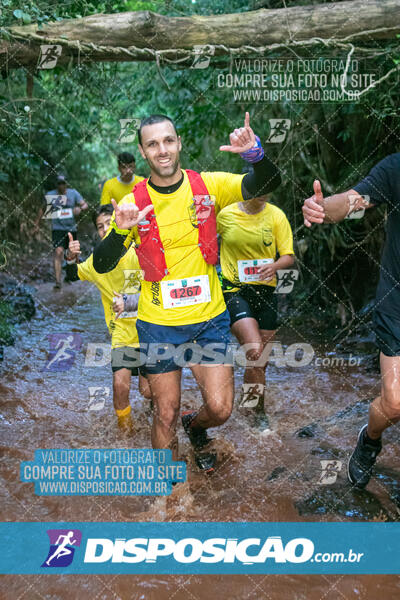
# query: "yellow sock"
123,412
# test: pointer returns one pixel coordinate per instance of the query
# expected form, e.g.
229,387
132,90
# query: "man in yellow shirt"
119,294
118,187
182,317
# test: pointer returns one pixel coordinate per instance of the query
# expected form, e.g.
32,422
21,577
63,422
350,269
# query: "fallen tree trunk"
140,35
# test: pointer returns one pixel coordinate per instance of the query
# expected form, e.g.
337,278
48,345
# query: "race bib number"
184,292
249,269
65,213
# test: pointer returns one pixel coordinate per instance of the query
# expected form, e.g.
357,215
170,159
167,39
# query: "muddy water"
314,412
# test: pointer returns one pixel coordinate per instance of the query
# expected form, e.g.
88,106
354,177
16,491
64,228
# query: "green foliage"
71,124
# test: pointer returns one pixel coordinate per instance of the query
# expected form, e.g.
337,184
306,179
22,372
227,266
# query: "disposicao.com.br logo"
247,551
62,547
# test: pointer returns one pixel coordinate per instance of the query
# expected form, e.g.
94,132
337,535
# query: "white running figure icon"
62,346
62,550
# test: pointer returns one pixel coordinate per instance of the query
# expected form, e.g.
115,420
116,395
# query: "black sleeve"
106,255
382,181
263,178
72,272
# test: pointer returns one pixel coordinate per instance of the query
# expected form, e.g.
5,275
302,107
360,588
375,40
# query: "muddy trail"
315,413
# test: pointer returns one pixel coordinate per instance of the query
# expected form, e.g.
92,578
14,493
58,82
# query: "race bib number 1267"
184,292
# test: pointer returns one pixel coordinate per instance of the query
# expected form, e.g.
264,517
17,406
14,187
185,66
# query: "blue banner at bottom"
200,548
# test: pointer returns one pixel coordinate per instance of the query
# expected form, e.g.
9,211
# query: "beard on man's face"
167,171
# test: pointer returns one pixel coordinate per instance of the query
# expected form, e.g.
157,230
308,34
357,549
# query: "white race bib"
249,269
128,315
65,213
184,292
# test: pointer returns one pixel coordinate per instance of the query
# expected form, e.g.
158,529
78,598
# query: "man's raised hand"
241,139
128,215
313,209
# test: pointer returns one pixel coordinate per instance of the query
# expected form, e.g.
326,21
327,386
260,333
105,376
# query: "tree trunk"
137,35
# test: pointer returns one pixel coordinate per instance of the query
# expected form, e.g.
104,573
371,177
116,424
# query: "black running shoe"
359,468
206,461
197,435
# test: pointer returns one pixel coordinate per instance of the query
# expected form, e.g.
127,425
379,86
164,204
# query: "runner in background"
62,205
172,217
256,241
120,296
118,187
381,186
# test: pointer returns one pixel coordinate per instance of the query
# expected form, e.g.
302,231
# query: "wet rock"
16,306
18,296
308,431
356,410
300,475
345,501
371,362
352,412
23,306
275,473
318,450
326,451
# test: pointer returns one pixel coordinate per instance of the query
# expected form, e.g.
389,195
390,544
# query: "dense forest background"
67,119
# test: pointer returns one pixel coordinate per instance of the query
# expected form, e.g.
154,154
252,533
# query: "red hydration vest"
151,253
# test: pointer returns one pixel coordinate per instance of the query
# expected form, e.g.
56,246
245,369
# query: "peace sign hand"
128,215
241,139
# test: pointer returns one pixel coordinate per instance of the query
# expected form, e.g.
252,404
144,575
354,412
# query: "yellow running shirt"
179,234
114,188
245,237
125,279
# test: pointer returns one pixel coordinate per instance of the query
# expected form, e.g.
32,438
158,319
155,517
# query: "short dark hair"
124,158
151,120
103,209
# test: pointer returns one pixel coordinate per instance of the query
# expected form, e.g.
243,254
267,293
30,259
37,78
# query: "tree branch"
133,36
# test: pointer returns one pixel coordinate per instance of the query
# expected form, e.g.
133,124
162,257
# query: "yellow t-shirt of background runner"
124,279
113,188
179,235
246,237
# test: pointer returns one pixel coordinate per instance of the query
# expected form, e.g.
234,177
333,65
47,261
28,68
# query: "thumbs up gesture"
313,207
74,248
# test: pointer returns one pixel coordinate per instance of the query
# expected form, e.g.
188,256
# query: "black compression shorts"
256,301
